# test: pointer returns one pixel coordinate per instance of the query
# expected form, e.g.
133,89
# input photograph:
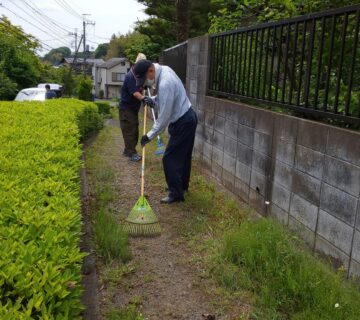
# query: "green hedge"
40,217
104,107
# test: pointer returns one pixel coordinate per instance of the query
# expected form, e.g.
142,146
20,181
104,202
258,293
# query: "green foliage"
161,28
40,217
20,67
89,120
56,55
128,313
101,51
104,107
83,88
290,281
234,14
101,94
111,239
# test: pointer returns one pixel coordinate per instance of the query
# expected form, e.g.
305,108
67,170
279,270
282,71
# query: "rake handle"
143,155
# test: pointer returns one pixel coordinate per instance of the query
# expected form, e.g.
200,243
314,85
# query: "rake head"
160,148
142,220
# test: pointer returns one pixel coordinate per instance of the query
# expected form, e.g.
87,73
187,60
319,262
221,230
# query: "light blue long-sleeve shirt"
171,101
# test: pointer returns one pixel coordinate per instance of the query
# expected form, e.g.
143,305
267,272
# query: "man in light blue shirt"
175,111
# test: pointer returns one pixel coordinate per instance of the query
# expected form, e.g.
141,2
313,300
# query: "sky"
51,21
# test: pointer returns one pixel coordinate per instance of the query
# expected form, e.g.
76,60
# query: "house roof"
88,61
112,63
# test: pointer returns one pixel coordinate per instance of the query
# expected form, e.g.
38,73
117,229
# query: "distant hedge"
40,217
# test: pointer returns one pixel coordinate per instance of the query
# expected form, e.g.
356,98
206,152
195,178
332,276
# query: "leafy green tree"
19,64
232,14
56,55
173,21
101,50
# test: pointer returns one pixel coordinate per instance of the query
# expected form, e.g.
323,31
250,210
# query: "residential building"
109,77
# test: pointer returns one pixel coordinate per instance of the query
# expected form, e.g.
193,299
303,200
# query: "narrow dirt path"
166,281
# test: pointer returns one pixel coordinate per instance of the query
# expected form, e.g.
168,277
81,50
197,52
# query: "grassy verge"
111,242
257,261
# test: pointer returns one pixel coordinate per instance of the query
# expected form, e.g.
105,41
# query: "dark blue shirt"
128,101
50,95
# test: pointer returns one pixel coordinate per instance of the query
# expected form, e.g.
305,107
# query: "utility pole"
75,34
85,23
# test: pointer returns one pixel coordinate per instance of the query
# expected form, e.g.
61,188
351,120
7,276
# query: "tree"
20,66
232,14
182,20
56,55
101,51
173,21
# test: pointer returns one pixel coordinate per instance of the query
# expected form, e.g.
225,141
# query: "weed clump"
290,282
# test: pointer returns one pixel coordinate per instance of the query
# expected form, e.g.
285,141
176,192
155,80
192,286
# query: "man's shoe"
168,200
135,157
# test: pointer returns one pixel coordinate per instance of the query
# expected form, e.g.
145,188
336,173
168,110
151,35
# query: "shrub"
40,220
101,94
104,107
292,283
84,87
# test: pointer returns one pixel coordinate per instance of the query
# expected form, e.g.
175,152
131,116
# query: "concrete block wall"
305,174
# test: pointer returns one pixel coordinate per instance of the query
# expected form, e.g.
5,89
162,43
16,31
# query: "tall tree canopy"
173,21
20,67
56,55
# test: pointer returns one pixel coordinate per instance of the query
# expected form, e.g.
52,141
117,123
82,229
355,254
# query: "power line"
68,9
35,19
40,13
19,34
35,26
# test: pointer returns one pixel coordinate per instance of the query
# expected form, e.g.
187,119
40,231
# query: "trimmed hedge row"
40,217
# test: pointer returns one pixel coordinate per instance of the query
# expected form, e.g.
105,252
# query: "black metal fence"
309,63
176,58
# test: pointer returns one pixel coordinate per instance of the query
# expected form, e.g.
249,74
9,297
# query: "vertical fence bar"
293,69
309,63
260,62
301,62
221,65
272,63
266,62
255,61
250,60
278,63
286,63
240,60
353,62
211,64
228,58
232,78
318,73
331,51
339,71
236,78
244,65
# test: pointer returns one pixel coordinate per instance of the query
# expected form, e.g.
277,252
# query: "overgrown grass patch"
111,240
290,282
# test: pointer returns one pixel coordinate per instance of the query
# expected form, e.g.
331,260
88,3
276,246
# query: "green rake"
142,220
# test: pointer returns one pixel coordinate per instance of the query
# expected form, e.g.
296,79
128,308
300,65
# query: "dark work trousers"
177,157
129,124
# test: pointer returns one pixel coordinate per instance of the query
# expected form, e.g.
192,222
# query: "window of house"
118,77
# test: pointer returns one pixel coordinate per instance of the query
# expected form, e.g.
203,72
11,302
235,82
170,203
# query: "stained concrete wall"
307,172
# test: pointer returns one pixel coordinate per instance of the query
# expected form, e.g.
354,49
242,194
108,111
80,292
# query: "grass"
290,282
260,262
130,312
111,240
